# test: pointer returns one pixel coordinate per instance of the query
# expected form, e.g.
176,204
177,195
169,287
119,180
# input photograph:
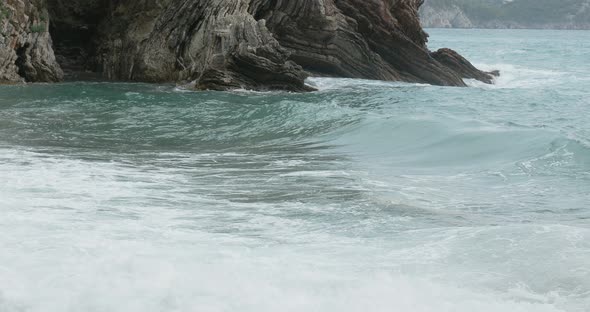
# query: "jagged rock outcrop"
217,43
372,39
226,43
462,66
26,52
253,44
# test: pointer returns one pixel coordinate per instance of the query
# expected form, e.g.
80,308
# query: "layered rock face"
253,44
26,52
372,39
463,67
217,43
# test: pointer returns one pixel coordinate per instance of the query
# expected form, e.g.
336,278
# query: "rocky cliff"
225,44
26,52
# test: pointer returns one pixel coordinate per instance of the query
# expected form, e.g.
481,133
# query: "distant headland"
518,14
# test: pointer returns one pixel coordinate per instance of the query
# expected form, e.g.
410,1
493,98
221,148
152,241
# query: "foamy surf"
365,195
514,76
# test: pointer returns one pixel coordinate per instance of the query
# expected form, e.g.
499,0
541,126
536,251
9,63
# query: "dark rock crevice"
74,28
21,61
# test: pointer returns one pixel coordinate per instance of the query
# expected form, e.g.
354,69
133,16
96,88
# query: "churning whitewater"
365,195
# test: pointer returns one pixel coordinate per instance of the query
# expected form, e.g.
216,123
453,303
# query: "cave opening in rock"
74,28
21,61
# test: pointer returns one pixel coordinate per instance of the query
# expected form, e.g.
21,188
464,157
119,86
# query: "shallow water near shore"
365,195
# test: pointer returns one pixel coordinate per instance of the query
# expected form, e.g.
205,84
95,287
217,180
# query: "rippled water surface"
366,195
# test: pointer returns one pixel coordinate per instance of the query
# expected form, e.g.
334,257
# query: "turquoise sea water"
365,195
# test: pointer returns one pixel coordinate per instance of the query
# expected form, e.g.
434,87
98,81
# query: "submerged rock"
252,44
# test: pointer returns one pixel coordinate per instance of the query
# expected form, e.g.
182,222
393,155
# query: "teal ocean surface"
363,196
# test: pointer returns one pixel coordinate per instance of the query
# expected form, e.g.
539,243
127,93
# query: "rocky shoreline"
223,44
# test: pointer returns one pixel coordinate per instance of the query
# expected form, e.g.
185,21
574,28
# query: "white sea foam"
82,235
514,76
366,195
326,84
173,284
511,76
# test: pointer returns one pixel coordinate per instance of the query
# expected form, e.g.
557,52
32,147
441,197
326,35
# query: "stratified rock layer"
252,44
217,43
372,39
462,66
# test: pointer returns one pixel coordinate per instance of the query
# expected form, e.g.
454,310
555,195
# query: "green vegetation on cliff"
4,12
38,28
